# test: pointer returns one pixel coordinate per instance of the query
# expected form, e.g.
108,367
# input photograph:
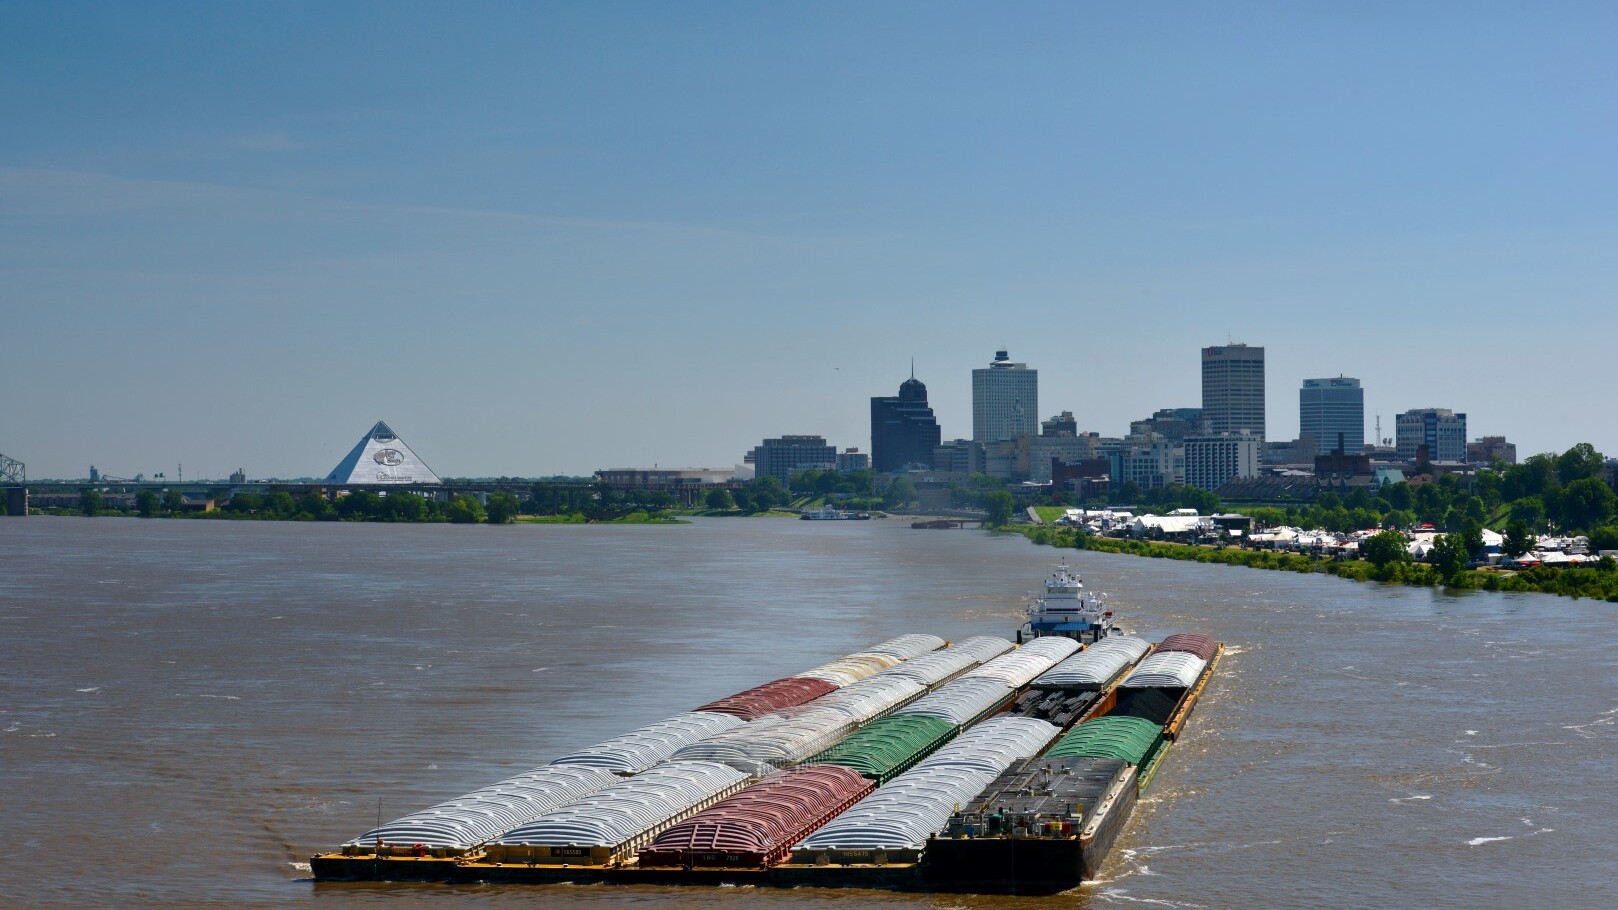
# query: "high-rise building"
1327,407
1441,430
1005,400
1211,461
1233,389
781,457
903,429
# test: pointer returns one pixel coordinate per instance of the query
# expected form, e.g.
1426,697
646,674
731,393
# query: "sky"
550,238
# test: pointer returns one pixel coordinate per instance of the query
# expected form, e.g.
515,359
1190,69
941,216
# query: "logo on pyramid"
394,462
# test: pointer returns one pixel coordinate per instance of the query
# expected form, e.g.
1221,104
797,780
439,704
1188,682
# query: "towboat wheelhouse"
1067,610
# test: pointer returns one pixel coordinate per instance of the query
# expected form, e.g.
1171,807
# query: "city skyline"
556,238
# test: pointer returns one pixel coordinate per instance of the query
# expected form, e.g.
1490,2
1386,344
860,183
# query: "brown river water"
189,709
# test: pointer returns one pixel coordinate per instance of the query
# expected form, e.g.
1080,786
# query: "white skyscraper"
1233,389
1005,400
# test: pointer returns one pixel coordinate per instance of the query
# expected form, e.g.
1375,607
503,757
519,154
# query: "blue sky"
550,238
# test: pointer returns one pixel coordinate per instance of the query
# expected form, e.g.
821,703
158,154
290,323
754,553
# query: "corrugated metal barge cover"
888,745
1194,642
762,822
772,696
1128,738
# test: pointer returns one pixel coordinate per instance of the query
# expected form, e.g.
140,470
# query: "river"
189,709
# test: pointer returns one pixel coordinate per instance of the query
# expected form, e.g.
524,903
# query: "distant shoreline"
1597,584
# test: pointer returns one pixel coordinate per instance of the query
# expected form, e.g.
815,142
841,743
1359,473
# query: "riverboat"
831,513
1067,610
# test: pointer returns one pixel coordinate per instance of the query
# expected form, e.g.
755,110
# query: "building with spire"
903,428
1005,400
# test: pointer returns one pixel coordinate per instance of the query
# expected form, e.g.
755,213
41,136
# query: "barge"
912,765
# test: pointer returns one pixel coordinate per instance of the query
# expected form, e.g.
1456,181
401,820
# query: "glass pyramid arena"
381,457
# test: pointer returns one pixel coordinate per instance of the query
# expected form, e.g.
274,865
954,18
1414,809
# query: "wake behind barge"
913,765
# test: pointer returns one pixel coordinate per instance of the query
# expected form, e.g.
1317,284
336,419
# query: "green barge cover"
886,748
1129,738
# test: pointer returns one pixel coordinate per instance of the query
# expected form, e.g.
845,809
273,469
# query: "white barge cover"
1136,648
851,669
903,814
906,647
642,748
984,647
961,701
773,742
1091,668
1166,669
932,669
1054,647
462,823
994,744
632,811
869,699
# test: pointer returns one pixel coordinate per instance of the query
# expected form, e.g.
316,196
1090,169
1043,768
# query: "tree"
1579,463
1586,503
90,502
464,510
719,500
1530,510
768,492
1399,518
743,499
502,508
404,506
1448,556
1472,540
1518,539
359,505
314,505
244,503
901,493
1398,495
1604,539
280,504
146,503
173,500
999,505
1384,549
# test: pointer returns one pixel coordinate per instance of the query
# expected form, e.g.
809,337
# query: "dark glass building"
903,429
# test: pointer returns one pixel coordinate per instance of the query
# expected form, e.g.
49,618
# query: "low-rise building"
1489,449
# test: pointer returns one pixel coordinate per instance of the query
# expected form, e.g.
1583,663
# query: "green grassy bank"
1599,583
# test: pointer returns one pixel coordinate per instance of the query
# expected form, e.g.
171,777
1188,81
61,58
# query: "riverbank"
1598,584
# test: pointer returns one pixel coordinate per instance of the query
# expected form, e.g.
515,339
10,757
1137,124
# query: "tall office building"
1233,389
903,429
1005,400
1441,430
1327,407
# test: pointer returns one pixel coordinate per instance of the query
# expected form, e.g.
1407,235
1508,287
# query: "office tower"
1005,400
1441,430
1327,407
903,428
1233,389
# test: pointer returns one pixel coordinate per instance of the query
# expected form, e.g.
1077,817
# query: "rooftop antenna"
912,368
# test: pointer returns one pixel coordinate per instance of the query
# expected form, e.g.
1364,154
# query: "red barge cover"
758,826
772,696
1192,642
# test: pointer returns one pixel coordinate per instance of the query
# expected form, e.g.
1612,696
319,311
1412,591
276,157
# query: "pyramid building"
381,457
